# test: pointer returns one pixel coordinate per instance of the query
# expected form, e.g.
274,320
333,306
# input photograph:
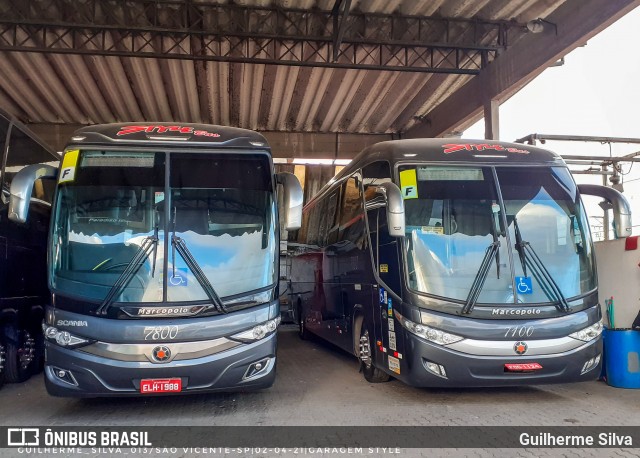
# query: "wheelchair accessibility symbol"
524,285
180,277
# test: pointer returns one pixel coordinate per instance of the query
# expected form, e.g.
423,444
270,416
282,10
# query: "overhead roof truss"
264,35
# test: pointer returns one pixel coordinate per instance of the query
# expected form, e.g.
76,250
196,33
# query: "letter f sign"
67,174
409,192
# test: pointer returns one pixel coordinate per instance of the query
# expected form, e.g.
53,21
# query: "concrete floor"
318,384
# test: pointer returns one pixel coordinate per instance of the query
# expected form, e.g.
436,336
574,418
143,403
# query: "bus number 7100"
519,331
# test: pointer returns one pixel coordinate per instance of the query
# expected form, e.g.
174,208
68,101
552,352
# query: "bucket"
622,357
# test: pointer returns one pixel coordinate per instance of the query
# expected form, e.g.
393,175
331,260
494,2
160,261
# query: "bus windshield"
220,206
455,217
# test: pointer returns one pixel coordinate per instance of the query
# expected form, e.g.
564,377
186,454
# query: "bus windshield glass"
220,205
455,219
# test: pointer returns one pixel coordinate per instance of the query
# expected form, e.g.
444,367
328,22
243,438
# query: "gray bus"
163,259
449,262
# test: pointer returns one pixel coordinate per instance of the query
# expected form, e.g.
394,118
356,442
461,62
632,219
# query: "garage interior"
321,79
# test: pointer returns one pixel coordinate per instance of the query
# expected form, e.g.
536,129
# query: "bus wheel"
371,373
20,355
302,327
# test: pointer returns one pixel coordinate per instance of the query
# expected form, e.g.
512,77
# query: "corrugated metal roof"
67,88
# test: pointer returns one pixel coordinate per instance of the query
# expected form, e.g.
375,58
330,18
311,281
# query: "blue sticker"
180,277
524,285
382,301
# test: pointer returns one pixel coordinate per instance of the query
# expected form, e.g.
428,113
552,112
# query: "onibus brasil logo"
34,437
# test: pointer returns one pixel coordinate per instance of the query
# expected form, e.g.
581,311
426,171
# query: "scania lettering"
163,260
443,263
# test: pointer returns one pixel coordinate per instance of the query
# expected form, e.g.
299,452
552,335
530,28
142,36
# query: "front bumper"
97,376
465,370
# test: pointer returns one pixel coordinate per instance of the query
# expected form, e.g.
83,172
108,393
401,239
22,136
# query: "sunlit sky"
596,92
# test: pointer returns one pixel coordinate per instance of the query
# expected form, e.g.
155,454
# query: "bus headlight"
63,338
428,333
258,332
258,298
589,333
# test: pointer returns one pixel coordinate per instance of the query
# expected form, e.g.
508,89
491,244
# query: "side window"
304,228
373,175
330,221
313,232
352,213
23,151
4,128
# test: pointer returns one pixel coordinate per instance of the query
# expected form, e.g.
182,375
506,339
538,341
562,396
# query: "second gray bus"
449,262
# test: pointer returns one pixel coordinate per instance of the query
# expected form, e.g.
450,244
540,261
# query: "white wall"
619,276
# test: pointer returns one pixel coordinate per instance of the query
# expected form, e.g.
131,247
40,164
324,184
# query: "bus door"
333,313
389,272
353,255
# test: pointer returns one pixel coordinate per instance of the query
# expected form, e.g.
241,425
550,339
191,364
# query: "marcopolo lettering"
165,311
520,312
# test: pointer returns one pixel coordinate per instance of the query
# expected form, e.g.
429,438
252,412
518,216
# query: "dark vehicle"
23,280
447,262
163,260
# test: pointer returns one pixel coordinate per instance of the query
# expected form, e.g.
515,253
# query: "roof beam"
340,12
576,21
259,35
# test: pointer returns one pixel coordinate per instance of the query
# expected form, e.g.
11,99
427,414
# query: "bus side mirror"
619,203
292,200
395,208
22,186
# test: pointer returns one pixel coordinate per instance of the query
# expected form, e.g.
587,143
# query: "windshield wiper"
178,244
149,244
481,276
492,252
529,258
495,210
156,216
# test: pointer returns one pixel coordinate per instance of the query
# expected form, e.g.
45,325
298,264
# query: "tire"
20,354
303,332
371,373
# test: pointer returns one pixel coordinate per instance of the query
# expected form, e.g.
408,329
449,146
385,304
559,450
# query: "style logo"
23,436
161,354
520,348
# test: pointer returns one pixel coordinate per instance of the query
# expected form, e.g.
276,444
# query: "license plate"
161,385
522,367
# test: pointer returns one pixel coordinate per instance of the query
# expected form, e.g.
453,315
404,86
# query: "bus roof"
165,133
449,151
